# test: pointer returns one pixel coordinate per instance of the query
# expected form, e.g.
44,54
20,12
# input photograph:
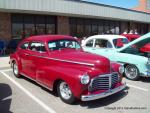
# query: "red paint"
50,66
132,37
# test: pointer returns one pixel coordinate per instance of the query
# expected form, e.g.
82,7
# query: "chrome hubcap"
65,90
15,69
131,71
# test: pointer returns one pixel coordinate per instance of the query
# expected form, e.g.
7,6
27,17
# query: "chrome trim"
105,75
121,63
146,74
82,63
36,82
110,82
104,94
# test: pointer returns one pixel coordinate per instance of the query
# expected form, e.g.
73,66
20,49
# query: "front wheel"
131,72
65,93
16,70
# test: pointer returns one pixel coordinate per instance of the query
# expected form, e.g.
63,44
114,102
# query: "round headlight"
121,69
85,79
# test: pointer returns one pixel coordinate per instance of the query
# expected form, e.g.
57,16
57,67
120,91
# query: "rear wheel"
65,93
131,72
15,69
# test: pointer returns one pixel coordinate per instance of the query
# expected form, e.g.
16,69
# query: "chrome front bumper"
102,95
146,74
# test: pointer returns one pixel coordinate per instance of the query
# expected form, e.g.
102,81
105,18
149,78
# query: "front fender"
70,75
16,58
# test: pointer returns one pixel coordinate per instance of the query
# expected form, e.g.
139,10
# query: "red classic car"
58,63
132,37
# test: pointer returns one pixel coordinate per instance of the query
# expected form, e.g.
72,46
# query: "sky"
119,3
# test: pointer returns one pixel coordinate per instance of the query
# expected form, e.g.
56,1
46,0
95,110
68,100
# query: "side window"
90,43
109,45
24,46
101,43
37,46
42,48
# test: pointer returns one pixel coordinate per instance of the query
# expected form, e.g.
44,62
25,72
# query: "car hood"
82,58
140,42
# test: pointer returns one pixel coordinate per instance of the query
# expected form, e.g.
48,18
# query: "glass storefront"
24,25
81,27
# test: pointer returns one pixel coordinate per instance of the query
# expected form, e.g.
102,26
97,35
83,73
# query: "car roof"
108,37
47,38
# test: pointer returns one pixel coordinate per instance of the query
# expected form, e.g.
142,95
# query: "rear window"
120,42
37,46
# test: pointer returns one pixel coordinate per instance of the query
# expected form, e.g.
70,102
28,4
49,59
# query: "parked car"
132,37
136,63
105,41
58,63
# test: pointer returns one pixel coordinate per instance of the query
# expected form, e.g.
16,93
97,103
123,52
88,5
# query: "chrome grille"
114,78
104,82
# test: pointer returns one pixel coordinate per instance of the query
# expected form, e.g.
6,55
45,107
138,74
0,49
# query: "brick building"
144,5
23,18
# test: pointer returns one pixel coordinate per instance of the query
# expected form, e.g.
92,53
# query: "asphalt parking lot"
25,96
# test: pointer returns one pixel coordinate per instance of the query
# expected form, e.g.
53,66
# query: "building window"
82,27
29,26
100,28
25,25
106,27
40,25
50,25
94,27
17,26
73,27
88,28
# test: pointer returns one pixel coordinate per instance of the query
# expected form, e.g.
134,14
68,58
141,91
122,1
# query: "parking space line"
6,70
50,110
143,89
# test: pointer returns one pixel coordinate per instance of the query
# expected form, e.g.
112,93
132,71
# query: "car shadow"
5,98
89,104
105,101
144,79
36,84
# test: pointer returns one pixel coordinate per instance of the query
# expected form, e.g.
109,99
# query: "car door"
23,53
38,61
41,63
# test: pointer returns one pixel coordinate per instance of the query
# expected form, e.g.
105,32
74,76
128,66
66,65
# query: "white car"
136,63
105,41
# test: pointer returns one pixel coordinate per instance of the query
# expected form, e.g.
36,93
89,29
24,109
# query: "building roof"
72,8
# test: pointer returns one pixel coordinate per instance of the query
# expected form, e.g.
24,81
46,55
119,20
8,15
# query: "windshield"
120,42
63,44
